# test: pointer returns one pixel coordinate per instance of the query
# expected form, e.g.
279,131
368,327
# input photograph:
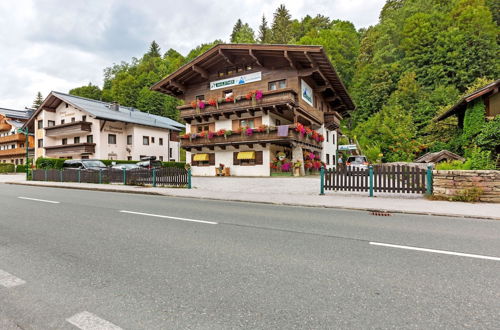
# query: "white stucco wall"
329,146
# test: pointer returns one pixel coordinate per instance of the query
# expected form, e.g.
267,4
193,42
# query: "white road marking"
89,321
38,200
8,280
477,256
169,217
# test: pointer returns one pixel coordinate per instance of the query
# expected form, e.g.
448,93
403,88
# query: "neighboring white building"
68,126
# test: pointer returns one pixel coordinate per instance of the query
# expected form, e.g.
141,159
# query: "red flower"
212,102
221,132
193,104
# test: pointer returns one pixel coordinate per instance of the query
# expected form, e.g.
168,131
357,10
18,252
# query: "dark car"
83,164
149,163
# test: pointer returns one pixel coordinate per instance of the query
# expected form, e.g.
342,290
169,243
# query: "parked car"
360,162
127,167
149,163
83,164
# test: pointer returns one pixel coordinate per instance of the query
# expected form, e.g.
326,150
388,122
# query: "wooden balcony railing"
13,138
77,148
269,99
270,136
332,120
73,128
13,152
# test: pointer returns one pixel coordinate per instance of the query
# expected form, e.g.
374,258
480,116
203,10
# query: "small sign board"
238,80
306,93
347,147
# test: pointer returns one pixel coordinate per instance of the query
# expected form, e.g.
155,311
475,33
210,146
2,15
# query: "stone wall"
451,183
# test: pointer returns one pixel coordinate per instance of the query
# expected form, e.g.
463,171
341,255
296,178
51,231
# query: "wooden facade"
233,86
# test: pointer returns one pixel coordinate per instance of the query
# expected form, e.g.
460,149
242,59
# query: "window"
228,93
40,143
239,69
129,157
13,146
247,122
62,121
76,140
21,161
66,104
248,67
22,145
145,140
327,136
221,73
327,159
278,84
129,140
111,139
230,70
64,141
160,158
73,119
40,124
200,97
84,118
278,122
152,139
90,139
51,123
160,141
248,158
201,128
170,153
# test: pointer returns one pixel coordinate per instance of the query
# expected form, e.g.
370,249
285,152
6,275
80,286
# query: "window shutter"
194,129
211,127
259,158
257,121
236,161
211,159
236,125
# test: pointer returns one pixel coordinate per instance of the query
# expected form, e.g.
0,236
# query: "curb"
451,215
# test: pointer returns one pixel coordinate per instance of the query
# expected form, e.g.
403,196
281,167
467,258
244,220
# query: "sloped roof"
16,123
102,110
436,157
492,87
300,57
17,114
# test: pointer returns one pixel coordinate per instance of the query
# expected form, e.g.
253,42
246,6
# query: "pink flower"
258,95
249,131
286,167
201,105
311,156
210,135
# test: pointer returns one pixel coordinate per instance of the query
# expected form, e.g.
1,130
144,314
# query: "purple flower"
286,167
201,105
258,95
249,131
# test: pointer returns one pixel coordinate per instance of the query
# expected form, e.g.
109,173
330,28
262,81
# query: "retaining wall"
451,183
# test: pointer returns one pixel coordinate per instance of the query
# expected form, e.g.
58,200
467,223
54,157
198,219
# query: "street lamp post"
26,133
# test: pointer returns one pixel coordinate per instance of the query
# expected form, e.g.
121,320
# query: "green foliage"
473,120
469,195
7,168
281,30
21,169
154,50
264,32
37,101
56,163
242,33
90,91
489,137
480,159
48,163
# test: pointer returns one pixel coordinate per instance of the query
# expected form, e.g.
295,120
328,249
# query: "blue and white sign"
238,80
307,93
347,147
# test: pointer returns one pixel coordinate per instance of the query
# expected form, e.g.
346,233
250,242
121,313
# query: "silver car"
360,162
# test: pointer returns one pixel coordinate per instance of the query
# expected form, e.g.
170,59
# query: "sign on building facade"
239,80
307,93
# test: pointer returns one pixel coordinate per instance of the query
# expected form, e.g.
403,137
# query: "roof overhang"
309,61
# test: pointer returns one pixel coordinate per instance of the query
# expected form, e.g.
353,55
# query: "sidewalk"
294,191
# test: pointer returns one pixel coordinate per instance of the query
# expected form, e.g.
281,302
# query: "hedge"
57,163
21,169
7,168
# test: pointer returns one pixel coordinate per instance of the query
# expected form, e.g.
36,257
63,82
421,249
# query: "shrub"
173,164
7,168
20,168
470,195
453,165
48,163
480,160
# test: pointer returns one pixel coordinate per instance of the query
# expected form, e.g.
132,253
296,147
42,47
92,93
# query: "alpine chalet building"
12,142
259,110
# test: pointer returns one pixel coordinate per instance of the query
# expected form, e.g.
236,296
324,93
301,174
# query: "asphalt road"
73,259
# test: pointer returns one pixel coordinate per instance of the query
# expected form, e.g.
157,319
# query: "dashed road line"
38,200
460,254
170,217
9,281
89,321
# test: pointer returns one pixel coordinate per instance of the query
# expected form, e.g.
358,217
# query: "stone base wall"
450,183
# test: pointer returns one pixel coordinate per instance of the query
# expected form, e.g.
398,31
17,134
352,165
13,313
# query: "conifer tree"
236,29
38,100
281,31
264,32
154,50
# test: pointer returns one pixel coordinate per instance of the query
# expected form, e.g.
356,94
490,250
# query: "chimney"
115,106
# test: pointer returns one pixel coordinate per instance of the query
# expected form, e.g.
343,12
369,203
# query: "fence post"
322,180
61,175
100,175
124,176
370,172
79,176
45,174
189,178
154,177
429,180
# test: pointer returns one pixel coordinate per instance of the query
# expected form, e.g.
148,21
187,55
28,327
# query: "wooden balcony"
262,138
5,127
77,148
269,100
332,120
13,152
74,128
13,138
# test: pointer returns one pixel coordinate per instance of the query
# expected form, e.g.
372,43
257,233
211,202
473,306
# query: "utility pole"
26,133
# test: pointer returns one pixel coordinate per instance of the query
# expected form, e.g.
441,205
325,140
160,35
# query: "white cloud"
58,45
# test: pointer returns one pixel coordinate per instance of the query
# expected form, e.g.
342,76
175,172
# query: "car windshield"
356,160
94,163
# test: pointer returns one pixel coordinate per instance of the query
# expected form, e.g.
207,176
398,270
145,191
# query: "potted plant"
296,168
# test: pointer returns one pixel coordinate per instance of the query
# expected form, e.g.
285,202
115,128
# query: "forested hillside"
417,61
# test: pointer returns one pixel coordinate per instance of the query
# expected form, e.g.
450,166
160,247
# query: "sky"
59,44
